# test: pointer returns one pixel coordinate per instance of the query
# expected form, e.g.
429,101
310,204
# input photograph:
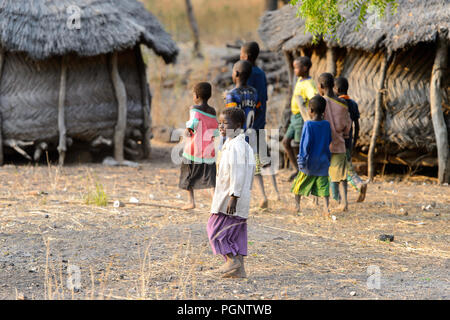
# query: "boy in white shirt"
227,225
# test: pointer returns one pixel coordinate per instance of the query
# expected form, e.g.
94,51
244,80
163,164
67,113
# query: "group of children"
321,124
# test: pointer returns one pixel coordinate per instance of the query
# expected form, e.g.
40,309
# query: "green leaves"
323,17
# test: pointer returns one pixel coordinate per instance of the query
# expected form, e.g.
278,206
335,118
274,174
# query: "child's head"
326,83
341,85
302,66
250,51
202,92
230,120
242,71
317,106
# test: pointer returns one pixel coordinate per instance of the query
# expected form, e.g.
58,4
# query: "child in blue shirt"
314,156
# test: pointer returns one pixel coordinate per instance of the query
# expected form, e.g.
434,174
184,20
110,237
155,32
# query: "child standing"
305,89
314,155
243,96
227,225
337,115
341,88
198,170
257,80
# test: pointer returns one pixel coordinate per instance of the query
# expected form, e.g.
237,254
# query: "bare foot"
264,204
326,213
188,207
237,273
362,193
230,265
343,208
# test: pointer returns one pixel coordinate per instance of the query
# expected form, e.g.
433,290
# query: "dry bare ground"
153,250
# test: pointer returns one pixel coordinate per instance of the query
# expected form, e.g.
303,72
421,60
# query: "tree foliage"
323,17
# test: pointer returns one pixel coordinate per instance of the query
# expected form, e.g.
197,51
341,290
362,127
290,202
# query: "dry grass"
153,250
218,20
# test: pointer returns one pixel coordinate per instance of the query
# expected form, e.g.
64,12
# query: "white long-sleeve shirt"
234,176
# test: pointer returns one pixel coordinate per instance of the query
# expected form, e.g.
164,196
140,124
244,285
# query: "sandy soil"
153,250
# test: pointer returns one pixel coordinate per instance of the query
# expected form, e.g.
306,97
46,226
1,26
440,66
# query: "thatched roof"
39,28
415,21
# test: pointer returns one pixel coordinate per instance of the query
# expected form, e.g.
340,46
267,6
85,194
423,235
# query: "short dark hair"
244,68
341,84
235,114
326,80
203,90
304,61
317,104
252,50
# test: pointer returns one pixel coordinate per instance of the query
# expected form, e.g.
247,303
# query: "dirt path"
154,250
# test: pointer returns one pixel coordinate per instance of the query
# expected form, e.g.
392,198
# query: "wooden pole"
331,60
437,114
146,103
194,28
2,62
378,114
62,147
121,97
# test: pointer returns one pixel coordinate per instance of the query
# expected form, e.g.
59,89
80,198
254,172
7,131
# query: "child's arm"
305,146
237,167
230,101
192,124
302,107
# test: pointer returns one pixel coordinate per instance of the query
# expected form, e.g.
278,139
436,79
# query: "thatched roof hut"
73,70
397,70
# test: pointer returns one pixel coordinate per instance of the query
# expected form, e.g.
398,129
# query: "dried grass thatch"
39,28
415,21
40,53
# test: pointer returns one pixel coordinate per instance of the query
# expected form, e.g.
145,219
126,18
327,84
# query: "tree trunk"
437,115
146,103
194,28
62,147
271,5
378,114
121,97
2,62
331,60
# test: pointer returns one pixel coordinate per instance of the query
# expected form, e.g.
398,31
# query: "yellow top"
306,88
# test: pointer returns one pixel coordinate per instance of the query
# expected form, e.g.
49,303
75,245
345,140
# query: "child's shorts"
197,176
338,167
294,131
305,185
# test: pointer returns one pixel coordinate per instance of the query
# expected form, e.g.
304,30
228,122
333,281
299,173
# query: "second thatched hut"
398,72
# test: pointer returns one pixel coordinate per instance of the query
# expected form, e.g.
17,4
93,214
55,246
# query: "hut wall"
407,120
29,97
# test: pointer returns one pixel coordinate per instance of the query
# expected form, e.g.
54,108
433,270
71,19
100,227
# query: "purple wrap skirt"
227,234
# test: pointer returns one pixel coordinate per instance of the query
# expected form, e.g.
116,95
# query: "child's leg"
334,186
297,202
260,183
291,155
273,178
326,210
343,188
191,200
